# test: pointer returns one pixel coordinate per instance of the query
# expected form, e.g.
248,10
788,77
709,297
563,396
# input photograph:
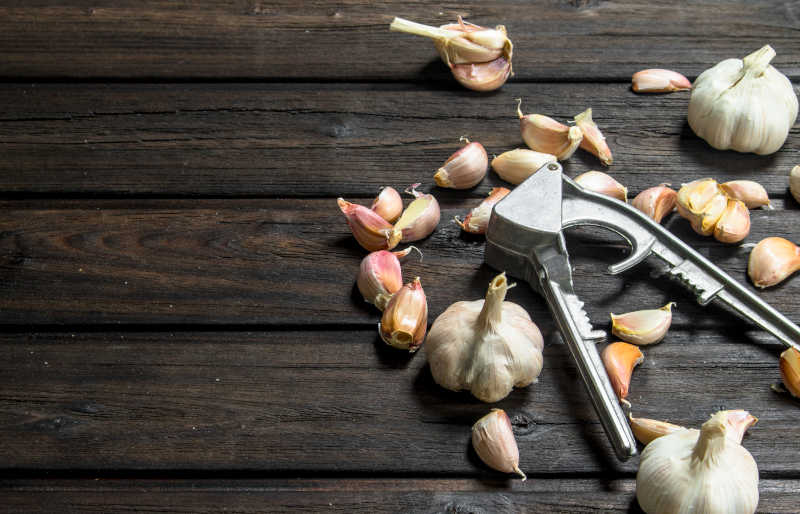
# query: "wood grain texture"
562,39
301,140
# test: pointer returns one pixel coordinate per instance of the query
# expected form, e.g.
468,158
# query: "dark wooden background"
180,328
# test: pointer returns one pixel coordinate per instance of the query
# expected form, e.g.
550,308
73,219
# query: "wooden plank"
305,402
358,495
570,39
329,139
277,262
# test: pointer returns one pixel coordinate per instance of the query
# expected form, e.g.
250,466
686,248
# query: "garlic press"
525,238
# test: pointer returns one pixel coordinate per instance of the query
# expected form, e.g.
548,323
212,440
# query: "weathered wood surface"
583,40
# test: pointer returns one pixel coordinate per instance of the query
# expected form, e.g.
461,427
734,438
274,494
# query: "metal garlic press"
525,238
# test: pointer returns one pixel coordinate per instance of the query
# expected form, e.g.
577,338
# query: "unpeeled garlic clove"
751,193
388,204
657,80
738,422
772,261
646,430
702,203
465,168
619,360
405,319
493,440
593,140
380,276
656,201
370,230
602,183
544,134
420,218
517,165
734,223
483,76
790,371
794,183
478,218
643,327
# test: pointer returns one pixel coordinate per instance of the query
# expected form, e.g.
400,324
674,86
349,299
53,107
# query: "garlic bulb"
744,105
478,218
493,440
486,346
697,471
465,168
772,261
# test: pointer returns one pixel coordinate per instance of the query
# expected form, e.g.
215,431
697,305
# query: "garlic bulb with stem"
593,140
744,105
772,261
485,346
477,219
544,134
642,327
697,471
602,183
380,276
420,218
388,204
517,165
371,231
405,319
493,440
794,183
656,201
657,80
465,168
790,371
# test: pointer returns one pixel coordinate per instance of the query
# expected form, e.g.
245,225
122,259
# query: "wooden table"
180,327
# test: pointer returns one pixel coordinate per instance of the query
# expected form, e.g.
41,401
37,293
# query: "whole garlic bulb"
743,104
486,346
698,471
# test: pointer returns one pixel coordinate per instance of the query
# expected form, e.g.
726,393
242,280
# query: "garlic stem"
492,311
419,29
757,62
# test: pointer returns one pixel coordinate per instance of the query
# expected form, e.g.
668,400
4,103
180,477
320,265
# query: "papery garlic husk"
794,183
697,471
619,360
738,422
483,76
485,346
790,371
405,319
656,201
772,261
388,204
370,230
465,168
544,134
602,183
646,430
493,440
642,327
744,105
420,218
517,165
593,140
380,276
657,80
734,224
478,218
750,192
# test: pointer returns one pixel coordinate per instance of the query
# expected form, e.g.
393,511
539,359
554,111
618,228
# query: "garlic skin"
483,76
794,183
544,134
478,218
697,471
751,193
493,440
485,346
738,422
420,218
388,204
772,261
380,276
734,224
790,371
465,168
602,183
646,430
405,319
517,165
744,105
658,80
593,140
642,327
656,201
371,231
619,360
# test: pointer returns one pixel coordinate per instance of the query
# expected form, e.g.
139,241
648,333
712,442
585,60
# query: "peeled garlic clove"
379,276
772,261
656,202
643,327
658,80
593,140
515,166
493,440
420,218
370,230
646,430
544,134
603,183
734,224
790,371
388,204
483,76
478,218
751,193
465,168
794,183
619,360
405,319
738,422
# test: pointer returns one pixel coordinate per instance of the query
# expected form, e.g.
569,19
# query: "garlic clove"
643,327
593,140
656,202
478,218
388,204
659,80
459,43
695,196
544,134
493,440
465,168
379,276
772,261
370,230
517,165
751,193
619,360
602,183
738,422
794,183
734,224
483,76
420,218
790,371
405,318
646,430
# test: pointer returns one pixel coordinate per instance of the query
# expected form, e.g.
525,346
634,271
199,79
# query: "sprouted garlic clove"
405,318
388,204
646,430
790,371
493,440
371,231
477,219
656,201
420,218
772,261
643,327
619,360
593,140
465,168
794,183
750,192
517,165
734,223
544,134
603,183
657,80
380,276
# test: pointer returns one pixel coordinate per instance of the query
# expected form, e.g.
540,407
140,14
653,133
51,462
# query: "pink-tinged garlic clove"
619,360
420,218
602,183
794,183
772,261
751,193
380,276
656,202
544,134
702,203
405,318
517,165
738,422
593,140
484,76
647,430
642,327
790,371
388,204
657,80
465,168
370,230
734,224
493,440
477,219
